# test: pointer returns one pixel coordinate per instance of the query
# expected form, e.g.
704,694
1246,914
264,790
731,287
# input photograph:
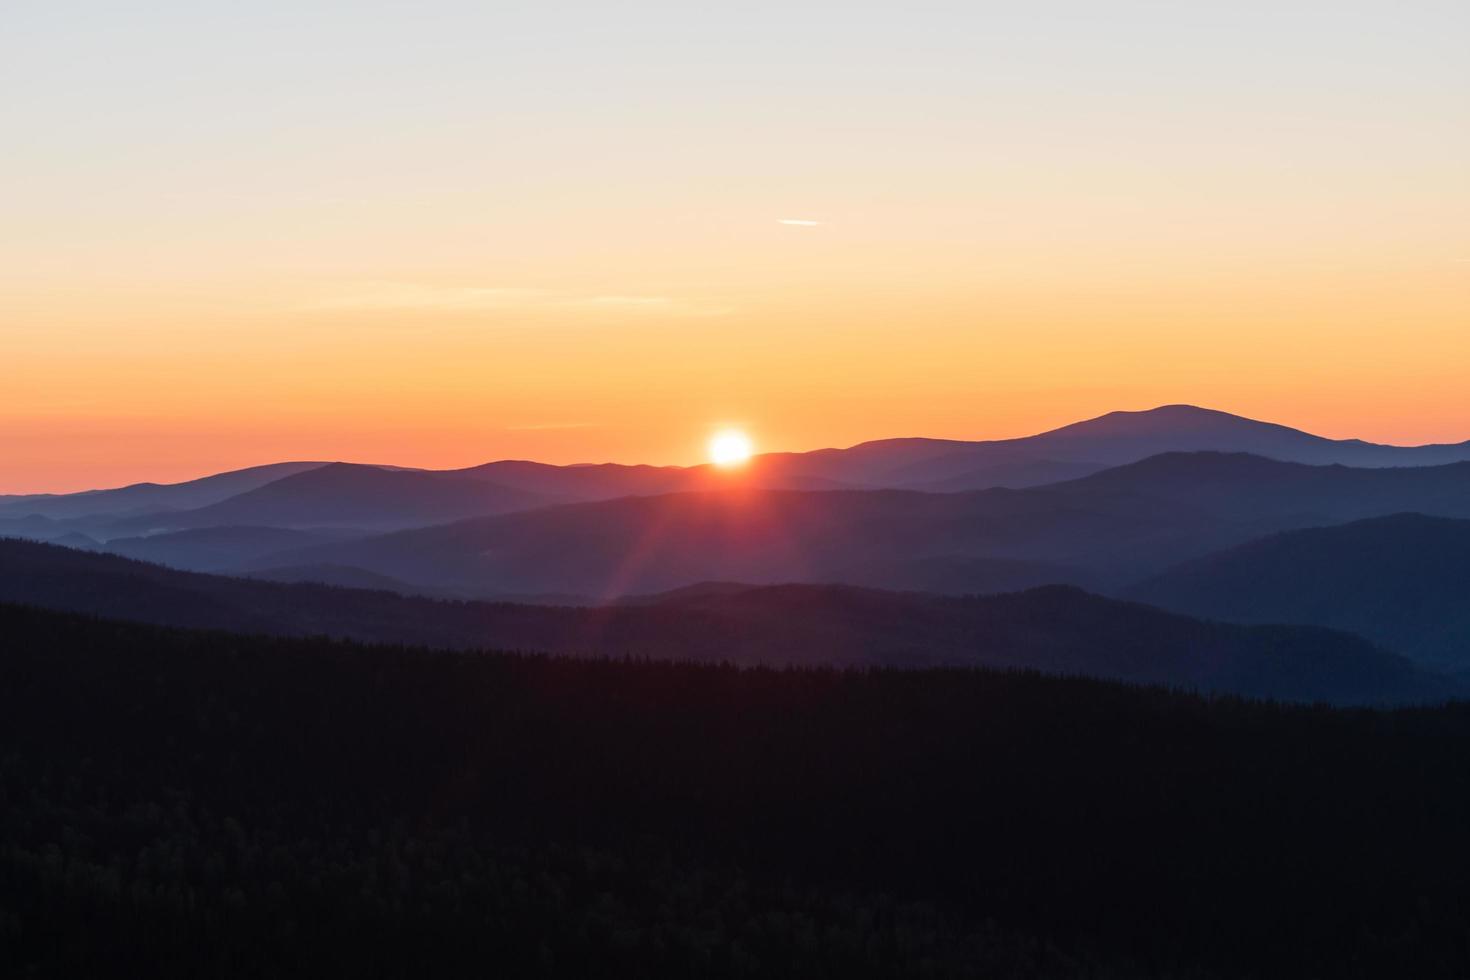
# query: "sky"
438,233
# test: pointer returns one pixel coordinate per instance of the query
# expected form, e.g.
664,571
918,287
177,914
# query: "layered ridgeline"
1403,581
1054,629
518,528
1105,530
923,464
192,804
150,497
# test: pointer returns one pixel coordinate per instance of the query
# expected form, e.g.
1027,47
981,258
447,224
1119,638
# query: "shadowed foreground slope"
198,804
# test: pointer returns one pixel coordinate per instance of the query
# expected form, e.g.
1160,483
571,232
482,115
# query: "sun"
730,447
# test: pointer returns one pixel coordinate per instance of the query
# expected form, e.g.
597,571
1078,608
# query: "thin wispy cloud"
546,426
798,222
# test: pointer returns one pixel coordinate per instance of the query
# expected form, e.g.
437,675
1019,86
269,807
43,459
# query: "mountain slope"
1244,487
1054,629
1109,440
1016,475
341,576
1058,630
1403,581
350,495
594,482
34,527
152,496
216,548
1111,528
1125,436
884,538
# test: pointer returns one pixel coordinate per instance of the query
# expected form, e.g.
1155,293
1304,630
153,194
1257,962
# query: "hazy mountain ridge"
904,463
654,528
1402,580
1110,440
1112,528
1053,629
351,495
219,547
649,544
140,497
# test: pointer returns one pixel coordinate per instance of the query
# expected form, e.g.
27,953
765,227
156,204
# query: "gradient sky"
437,233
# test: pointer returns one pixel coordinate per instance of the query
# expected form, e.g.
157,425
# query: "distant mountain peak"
1166,419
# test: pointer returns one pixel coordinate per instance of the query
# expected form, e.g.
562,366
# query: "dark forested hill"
209,805
1402,580
1056,629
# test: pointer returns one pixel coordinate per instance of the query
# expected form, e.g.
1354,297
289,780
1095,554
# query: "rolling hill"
1403,581
217,548
1106,530
346,495
885,538
607,481
1054,629
141,497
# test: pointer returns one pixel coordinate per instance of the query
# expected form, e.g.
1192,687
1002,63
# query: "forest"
181,803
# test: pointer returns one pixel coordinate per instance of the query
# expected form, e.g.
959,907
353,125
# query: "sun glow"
730,447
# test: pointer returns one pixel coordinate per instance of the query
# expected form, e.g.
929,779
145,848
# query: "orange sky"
234,236
123,384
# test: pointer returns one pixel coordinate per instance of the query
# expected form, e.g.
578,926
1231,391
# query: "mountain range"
1054,629
145,497
349,495
1102,531
911,463
1195,511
